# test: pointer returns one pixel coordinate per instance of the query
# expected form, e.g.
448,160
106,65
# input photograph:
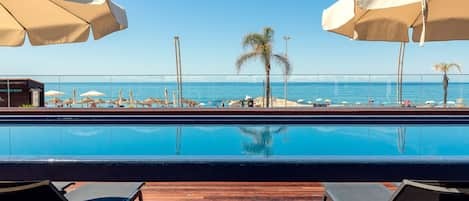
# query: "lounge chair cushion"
428,191
105,192
26,191
62,186
357,192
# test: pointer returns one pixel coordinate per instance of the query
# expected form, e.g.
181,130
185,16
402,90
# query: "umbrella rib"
70,12
13,16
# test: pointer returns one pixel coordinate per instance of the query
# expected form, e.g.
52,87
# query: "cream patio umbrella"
58,21
92,94
53,93
385,20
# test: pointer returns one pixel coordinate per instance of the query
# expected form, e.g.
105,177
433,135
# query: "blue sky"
211,33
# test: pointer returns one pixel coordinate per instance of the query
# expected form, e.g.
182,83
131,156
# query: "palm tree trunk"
267,86
445,89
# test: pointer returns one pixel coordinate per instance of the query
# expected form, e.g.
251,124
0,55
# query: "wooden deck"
238,191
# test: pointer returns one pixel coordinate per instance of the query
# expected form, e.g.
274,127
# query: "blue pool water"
155,142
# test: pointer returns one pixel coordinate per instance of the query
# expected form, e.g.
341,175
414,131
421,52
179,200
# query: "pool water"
264,141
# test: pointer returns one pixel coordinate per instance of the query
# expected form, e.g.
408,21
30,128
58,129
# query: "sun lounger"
407,191
128,191
25,191
62,186
356,192
45,190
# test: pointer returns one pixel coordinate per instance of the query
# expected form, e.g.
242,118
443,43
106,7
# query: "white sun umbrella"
174,99
131,97
166,96
92,94
74,96
430,102
53,93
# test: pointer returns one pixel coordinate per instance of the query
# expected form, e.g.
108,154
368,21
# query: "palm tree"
261,44
445,68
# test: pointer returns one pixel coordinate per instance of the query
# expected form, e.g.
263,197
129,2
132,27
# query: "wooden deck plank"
233,191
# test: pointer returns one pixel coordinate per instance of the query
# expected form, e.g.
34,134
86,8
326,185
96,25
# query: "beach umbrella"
121,100
68,102
86,100
131,97
53,93
100,101
166,96
385,20
92,94
430,102
174,99
74,96
55,101
58,21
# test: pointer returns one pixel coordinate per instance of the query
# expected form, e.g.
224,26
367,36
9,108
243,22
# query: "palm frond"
284,61
446,67
245,58
254,40
269,34
455,65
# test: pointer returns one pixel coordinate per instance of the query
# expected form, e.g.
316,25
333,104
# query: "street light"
285,87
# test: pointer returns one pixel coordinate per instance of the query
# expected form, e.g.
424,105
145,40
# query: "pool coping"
236,111
235,116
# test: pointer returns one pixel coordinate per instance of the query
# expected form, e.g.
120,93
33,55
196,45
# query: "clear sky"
211,33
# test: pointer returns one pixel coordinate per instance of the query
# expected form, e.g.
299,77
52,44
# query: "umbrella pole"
401,88
400,70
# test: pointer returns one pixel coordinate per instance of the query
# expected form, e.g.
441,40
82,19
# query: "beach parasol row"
58,21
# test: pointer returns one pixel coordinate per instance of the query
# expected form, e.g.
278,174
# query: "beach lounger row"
55,191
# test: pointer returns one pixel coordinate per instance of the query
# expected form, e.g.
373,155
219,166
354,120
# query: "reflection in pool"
134,142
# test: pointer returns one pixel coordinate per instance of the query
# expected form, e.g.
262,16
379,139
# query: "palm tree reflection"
262,139
401,133
178,140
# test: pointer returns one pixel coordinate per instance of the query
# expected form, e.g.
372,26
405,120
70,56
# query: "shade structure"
92,94
391,20
58,21
385,20
53,93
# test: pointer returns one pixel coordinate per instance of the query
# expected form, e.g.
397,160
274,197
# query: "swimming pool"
126,142
234,152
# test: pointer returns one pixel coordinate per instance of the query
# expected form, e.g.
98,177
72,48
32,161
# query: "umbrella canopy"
166,96
74,96
384,20
53,93
86,100
58,21
131,97
92,94
55,101
68,101
100,101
